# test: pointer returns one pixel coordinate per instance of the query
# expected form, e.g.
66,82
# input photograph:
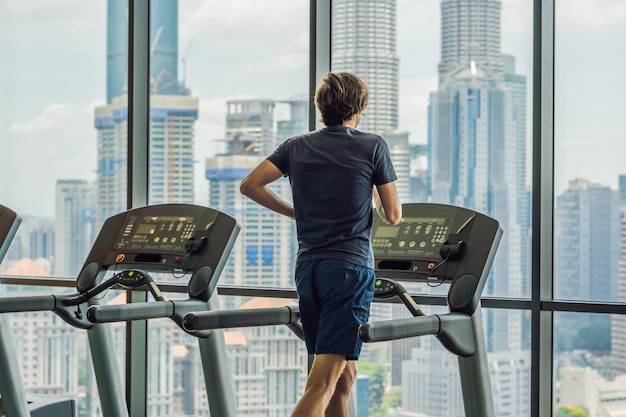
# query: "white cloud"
577,15
285,62
65,14
56,118
418,19
246,24
516,17
60,143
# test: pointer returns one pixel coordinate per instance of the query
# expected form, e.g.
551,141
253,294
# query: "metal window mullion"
542,208
319,51
137,194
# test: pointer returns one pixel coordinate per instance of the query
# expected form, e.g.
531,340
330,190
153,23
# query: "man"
334,173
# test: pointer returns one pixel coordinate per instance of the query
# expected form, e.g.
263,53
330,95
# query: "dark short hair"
339,97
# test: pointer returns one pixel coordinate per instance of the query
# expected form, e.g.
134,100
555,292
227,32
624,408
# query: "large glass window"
589,171
58,144
588,378
450,85
228,84
450,91
589,187
52,84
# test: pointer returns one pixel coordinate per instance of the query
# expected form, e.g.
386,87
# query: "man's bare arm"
255,186
387,202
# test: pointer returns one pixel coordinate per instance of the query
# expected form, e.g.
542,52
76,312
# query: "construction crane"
163,72
184,62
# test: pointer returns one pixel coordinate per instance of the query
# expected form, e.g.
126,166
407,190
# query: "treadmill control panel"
433,243
157,233
415,237
165,237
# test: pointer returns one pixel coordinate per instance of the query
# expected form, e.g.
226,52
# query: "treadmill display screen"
413,238
156,233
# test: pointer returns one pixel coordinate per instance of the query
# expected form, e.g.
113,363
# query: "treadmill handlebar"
142,310
27,303
400,329
128,312
453,330
209,320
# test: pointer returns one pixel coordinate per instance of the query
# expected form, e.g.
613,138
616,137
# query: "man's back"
332,172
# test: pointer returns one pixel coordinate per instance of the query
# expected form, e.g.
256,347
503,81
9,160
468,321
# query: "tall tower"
250,127
74,225
586,248
476,159
470,31
117,48
173,112
263,255
364,43
297,123
163,47
477,148
171,173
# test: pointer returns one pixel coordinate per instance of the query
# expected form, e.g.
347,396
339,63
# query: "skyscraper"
297,123
470,31
173,112
270,374
171,173
163,47
264,253
477,148
117,48
476,159
74,225
586,248
364,43
586,242
250,127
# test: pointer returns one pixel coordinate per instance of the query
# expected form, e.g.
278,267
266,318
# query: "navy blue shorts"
334,298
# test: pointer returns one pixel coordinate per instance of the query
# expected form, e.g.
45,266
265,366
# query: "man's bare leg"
338,405
320,385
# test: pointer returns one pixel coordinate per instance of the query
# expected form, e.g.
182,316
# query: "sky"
53,75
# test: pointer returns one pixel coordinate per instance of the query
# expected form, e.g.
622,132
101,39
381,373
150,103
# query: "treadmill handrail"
453,330
142,310
205,320
27,303
400,329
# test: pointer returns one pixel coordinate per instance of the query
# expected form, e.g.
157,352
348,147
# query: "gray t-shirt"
332,172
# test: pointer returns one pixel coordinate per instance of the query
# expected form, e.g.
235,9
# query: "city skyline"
506,331
38,122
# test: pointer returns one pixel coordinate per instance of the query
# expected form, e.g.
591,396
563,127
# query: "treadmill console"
436,243
176,238
157,234
414,237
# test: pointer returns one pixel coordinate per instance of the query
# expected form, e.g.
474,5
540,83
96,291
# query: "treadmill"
440,244
13,400
179,239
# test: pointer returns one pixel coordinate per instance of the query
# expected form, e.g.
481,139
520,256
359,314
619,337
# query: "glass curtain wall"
450,91
226,88
62,165
590,193
228,84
